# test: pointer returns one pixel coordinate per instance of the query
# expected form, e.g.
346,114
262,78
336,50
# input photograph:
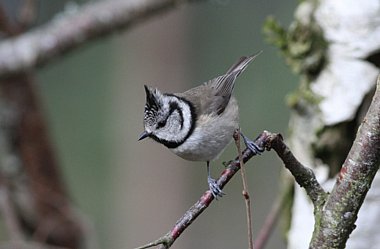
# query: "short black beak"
143,135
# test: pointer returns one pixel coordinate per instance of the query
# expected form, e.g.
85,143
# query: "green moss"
304,95
275,33
302,46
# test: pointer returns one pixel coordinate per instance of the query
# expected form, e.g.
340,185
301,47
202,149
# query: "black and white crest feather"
168,119
152,100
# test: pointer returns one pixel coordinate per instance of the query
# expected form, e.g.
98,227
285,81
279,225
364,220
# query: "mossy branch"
337,219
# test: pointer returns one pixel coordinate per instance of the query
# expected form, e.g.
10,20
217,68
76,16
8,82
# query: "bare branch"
339,214
193,212
304,176
74,28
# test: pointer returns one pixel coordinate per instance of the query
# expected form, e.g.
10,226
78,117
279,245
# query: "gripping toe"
255,148
214,188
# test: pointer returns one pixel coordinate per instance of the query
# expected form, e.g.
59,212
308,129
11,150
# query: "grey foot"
214,188
255,148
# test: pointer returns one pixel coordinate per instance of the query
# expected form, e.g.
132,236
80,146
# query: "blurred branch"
73,28
52,220
8,213
27,14
5,25
25,18
337,219
272,218
35,204
47,215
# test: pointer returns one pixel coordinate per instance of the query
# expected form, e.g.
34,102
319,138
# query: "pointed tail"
242,63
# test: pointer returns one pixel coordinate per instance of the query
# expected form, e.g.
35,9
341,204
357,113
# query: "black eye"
161,124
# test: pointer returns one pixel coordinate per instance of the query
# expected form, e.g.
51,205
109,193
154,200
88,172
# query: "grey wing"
203,99
221,89
214,95
223,86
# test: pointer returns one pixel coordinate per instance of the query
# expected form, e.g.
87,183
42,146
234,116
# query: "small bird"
199,123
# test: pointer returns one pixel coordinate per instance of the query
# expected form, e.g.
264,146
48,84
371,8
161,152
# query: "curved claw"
214,188
255,148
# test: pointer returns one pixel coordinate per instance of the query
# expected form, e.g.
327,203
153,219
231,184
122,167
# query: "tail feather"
242,63
224,84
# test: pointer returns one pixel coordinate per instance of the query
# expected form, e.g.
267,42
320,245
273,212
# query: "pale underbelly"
206,145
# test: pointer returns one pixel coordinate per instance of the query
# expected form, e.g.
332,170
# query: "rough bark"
333,46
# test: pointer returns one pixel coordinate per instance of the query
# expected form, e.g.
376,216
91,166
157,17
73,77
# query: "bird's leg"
212,184
255,148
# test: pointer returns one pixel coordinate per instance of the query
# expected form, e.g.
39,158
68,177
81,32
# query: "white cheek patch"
187,119
176,130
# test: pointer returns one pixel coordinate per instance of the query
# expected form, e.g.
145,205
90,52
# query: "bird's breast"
211,135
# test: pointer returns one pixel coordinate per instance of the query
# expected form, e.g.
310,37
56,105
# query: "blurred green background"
133,192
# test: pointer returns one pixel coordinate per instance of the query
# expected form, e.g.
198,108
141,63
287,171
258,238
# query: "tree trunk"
333,46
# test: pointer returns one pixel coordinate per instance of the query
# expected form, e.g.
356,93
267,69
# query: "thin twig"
193,212
303,176
245,192
339,209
